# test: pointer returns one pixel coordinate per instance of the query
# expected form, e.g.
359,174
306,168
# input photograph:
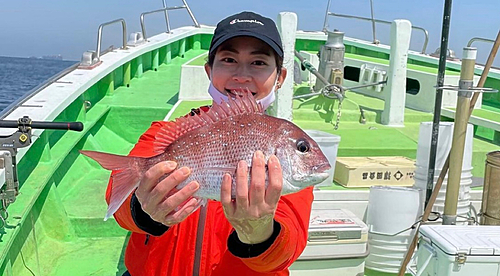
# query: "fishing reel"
8,150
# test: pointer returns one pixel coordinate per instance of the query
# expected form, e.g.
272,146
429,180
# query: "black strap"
243,250
144,221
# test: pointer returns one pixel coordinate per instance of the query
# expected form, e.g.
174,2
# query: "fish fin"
110,161
124,182
171,131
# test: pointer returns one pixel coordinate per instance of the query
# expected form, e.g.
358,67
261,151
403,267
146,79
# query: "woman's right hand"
161,200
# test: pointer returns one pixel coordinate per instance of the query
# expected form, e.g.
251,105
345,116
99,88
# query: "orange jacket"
172,253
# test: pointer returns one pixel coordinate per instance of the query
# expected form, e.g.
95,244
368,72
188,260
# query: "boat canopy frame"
373,20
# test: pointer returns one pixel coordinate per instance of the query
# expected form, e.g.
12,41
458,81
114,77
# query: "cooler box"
370,171
337,245
329,144
450,250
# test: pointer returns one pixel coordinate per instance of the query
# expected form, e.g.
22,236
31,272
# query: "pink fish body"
213,142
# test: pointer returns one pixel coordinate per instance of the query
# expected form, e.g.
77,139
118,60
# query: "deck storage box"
451,250
337,245
369,171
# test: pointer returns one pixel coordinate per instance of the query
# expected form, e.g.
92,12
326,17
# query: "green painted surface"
200,61
185,107
492,99
368,56
55,226
486,112
427,69
63,192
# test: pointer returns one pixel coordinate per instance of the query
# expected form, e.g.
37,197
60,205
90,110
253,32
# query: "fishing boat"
53,198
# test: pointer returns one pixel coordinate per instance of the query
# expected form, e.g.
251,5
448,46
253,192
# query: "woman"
257,233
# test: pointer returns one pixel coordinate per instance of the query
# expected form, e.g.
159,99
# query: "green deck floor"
75,240
70,226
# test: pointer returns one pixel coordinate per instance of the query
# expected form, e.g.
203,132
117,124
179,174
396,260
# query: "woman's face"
243,63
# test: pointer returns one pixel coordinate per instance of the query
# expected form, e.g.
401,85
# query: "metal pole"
459,132
99,35
373,24
166,16
196,24
439,98
325,24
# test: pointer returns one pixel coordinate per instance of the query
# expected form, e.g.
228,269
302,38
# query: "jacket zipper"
199,240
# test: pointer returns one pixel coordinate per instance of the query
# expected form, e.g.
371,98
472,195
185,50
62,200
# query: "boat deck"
68,223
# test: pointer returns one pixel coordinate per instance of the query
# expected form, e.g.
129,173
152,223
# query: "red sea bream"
211,144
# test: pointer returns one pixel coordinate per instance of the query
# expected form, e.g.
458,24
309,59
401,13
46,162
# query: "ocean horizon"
19,75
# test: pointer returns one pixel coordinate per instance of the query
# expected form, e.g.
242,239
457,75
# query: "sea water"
18,76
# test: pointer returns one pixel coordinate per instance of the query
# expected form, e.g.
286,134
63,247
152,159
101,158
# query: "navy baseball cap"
247,24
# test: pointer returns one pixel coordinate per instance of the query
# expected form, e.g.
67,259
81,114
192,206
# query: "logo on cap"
234,21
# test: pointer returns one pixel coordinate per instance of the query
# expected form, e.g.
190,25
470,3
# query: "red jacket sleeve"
293,214
143,148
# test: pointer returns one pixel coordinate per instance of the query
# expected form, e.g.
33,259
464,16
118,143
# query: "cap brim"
262,37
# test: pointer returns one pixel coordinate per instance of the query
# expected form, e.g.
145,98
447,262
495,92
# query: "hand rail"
479,39
167,22
426,34
99,34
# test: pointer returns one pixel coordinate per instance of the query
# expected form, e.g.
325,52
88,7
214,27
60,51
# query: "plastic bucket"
463,206
391,210
444,144
329,144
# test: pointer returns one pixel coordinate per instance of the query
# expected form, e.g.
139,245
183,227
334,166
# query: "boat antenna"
375,41
439,98
325,24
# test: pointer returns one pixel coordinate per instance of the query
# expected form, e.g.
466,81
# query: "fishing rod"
9,144
438,99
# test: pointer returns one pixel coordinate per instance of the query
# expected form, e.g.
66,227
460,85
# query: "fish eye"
302,145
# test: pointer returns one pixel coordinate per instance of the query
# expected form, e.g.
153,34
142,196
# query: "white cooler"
337,245
448,250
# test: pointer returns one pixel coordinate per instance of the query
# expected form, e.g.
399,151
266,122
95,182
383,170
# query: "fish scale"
212,143
221,151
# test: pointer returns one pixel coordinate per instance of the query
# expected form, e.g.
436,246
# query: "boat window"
412,86
351,73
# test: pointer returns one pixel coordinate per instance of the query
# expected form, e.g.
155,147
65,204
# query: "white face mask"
218,97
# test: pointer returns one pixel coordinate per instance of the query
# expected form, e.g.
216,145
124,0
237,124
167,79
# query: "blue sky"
49,27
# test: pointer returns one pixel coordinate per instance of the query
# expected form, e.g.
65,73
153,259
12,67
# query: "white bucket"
463,206
444,144
391,210
329,144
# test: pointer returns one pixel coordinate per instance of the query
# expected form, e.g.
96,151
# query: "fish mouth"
322,168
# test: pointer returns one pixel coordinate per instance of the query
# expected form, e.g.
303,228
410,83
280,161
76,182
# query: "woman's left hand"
251,213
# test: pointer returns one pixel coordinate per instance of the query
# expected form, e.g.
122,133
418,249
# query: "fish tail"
124,182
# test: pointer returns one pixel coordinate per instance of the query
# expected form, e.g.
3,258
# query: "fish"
212,143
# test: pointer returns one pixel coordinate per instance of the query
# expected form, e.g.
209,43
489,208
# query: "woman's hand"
161,200
252,212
